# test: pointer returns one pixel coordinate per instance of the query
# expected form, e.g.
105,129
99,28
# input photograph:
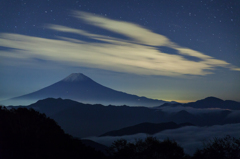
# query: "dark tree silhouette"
220,148
26,133
149,148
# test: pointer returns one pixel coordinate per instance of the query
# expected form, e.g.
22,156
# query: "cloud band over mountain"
138,54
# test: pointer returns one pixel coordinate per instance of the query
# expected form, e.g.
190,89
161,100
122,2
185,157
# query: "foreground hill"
81,88
26,133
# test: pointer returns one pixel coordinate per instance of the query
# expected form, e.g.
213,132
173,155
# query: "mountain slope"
81,88
148,128
184,116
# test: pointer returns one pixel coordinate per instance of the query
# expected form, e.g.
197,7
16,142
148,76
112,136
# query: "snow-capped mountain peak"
75,77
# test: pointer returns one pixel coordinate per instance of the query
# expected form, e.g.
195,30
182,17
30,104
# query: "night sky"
181,50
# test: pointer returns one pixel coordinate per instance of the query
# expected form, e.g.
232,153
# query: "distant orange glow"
181,101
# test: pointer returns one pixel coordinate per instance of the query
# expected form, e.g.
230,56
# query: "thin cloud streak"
138,55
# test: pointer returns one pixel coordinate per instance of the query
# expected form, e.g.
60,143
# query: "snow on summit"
74,77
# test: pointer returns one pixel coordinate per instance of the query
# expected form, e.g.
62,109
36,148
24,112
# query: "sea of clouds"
190,137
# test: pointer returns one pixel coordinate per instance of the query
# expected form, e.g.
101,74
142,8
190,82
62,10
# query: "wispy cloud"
137,55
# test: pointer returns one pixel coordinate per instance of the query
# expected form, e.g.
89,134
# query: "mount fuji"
83,89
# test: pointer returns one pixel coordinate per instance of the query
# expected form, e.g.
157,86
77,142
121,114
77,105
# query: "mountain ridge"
146,127
208,102
214,102
81,88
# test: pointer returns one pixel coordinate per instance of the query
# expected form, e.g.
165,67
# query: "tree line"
26,133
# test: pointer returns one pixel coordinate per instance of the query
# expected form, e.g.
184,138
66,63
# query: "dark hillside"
26,133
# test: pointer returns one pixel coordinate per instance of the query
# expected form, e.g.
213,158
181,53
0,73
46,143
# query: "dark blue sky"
172,50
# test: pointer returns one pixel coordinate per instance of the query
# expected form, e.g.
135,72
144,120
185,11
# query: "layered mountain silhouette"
84,120
209,102
213,102
147,128
81,88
